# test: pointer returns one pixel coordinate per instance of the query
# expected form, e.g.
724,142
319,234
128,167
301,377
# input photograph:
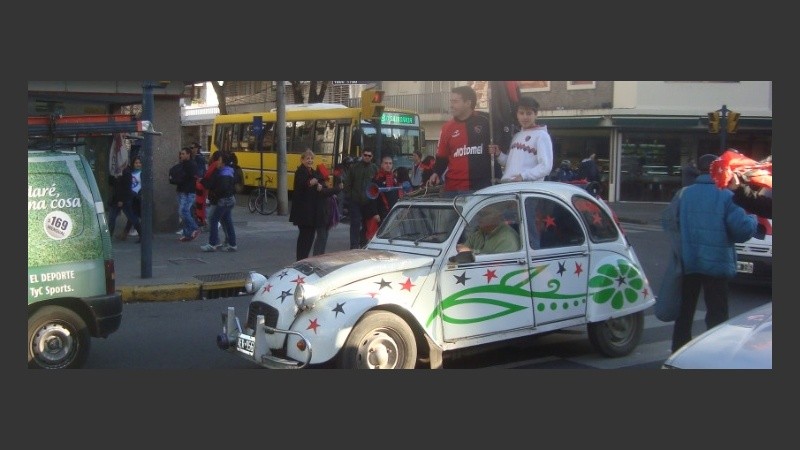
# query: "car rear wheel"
617,337
380,340
57,339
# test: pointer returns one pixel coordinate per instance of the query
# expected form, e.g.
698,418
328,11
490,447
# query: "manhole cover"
222,276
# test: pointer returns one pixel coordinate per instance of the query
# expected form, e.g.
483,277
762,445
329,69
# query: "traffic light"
372,104
733,121
713,122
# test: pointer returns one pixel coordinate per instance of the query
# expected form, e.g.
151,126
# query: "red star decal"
549,221
489,275
372,294
645,292
596,218
578,269
299,280
267,288
407,285
313,325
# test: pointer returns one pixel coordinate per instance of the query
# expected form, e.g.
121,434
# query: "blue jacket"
710,224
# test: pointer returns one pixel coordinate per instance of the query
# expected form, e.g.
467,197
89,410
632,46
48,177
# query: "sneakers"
194,235
209,248
229,248
179,231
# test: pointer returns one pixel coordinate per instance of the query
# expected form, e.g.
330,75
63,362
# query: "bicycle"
262,200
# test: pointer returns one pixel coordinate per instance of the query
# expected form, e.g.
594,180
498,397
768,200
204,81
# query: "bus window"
324,137
303,136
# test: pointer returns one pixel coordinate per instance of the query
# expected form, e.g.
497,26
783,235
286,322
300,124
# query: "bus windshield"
399,142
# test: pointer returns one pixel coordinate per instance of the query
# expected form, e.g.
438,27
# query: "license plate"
246,344
744,266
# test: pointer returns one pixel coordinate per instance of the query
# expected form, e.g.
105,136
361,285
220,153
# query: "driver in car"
493,234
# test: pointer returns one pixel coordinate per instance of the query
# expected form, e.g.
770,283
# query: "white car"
754,257
743,342
410,297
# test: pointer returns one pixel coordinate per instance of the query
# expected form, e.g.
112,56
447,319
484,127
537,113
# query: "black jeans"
304,241
715,294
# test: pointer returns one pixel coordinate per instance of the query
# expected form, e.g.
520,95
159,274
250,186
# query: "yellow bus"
333,132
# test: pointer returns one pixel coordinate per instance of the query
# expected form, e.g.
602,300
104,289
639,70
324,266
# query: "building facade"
642,132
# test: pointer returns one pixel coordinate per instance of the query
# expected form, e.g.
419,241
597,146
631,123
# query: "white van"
71,288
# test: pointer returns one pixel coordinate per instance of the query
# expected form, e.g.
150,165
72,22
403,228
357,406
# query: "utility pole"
147,178
280,135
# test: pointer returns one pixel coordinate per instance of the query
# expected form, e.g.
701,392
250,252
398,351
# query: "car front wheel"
57,339
380,340
617,337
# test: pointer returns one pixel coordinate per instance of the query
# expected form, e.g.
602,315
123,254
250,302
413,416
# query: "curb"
177,291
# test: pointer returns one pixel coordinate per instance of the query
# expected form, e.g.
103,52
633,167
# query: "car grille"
257,308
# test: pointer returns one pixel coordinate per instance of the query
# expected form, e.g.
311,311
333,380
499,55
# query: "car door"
487,295
558,260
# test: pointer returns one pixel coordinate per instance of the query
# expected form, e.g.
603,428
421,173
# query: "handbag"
668,298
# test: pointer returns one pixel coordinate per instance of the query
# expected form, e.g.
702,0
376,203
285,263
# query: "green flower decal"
616,283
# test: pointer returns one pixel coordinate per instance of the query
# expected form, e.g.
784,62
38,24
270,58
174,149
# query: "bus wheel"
380,340
57,339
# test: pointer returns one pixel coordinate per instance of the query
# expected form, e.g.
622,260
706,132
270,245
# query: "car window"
494,228
600,225
551,224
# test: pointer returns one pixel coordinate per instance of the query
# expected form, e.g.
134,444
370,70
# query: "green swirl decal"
506,286
616,283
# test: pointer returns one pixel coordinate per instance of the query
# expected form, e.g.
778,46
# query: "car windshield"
419,223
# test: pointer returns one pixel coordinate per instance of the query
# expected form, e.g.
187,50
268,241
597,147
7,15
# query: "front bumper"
761,269
254,346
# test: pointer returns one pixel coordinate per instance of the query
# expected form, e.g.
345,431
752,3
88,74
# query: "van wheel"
57,339
617,337
380,340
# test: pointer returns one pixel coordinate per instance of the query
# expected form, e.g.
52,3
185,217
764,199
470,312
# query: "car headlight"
305,295
254,282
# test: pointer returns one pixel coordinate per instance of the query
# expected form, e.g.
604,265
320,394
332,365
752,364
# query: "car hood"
332,270
743,342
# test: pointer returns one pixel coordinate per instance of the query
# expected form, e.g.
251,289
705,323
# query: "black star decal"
338,309
384,284
462,278
284,294
283,274
620,280
561,268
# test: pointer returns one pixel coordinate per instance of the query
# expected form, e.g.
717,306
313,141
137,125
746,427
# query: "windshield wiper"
415,233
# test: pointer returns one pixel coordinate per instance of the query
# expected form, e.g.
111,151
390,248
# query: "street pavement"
181,271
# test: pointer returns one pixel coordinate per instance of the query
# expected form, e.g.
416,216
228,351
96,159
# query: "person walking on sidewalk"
355,185
221,192
136,199
122,200
710,224
186,194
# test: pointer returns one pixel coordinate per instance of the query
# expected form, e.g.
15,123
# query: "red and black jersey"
464,151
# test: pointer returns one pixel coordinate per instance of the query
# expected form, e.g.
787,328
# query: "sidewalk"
181,271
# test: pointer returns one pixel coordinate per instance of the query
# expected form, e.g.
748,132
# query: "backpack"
176,174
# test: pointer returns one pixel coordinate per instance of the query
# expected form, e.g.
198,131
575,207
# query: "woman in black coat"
310,207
